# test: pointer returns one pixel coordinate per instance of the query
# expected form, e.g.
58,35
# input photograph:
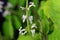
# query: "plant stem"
27,14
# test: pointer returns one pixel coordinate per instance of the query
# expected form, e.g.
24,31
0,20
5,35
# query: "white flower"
20,28
33,26
1,10
22,7
6,12
9,5
24,18
33,32
31,4
1,3
31,19
22,31
1,6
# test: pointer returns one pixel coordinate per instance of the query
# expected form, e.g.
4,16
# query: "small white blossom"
33,32
22,7
1,2
9,5
25,32
6,12
31,4
1,6
20,28
22,31
34,26
1,10
24,18
31,19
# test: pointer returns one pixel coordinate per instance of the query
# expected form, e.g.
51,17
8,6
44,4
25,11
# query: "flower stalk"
27,14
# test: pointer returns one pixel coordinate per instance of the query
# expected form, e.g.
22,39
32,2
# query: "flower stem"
27,14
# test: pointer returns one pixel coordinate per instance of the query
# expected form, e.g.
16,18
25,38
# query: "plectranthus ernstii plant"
30,20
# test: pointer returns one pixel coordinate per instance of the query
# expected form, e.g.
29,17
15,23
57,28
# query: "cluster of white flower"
33,29
7,12
30,18
22,7
22,31
9,5
31,4
24,17
1,5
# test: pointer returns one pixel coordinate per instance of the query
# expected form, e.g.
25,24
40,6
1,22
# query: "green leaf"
24,37
51,26
44,21
16,21
52,7
29,37
7,27
37,37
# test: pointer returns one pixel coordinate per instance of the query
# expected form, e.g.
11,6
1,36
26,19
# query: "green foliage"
26,37
44,20
16,22
51,9
29,37
46,15
8,28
